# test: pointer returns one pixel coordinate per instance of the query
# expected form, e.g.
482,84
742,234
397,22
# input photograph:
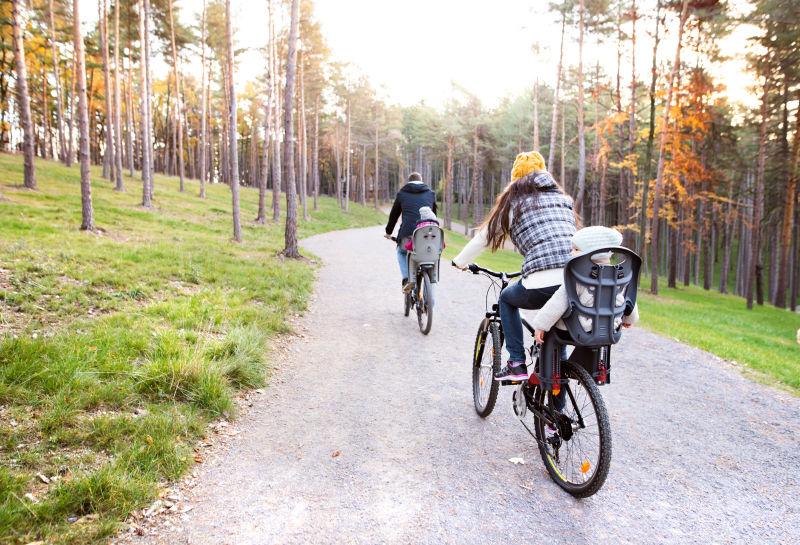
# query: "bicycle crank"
520,404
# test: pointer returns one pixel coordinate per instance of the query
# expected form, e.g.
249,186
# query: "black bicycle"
420,296
563,412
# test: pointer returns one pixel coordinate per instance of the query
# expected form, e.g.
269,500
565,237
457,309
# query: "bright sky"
413,50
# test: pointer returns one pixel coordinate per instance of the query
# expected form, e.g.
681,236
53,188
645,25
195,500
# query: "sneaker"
408,287
514,370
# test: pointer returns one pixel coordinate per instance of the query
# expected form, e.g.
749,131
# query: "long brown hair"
497,225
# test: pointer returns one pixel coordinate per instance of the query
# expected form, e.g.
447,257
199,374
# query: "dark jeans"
513,298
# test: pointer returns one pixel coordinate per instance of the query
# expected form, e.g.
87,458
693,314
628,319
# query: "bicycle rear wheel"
485,363
424,303
577,453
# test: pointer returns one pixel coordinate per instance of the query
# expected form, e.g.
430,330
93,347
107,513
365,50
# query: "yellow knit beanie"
526,163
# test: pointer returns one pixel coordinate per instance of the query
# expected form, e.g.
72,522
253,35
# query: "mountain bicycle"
575,441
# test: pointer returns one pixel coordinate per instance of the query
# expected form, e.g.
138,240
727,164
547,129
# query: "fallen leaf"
198,459
31,498
149,440
336,453
516,460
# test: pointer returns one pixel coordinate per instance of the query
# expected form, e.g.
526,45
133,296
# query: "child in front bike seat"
584,240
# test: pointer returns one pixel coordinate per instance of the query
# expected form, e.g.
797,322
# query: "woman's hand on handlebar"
464,268
539,336
385,235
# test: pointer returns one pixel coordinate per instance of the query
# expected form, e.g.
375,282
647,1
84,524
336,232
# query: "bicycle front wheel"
424,303
576,447
485,363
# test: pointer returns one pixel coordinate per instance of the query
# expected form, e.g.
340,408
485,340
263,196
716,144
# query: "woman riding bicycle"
538,217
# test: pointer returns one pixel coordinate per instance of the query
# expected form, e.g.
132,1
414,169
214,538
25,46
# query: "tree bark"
551,153
790,200
277,170
233,147
477,195
62,151
290,234
375,174
119,184
758,203
631,178
129,115
303,143
261,217
29,174
203,104
108,155
581,140
178,98
87,212
642,245
145,120
315,157
348,163
449,181
662,144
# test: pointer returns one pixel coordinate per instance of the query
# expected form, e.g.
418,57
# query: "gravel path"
367,434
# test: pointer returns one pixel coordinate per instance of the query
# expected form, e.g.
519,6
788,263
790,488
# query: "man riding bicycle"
411,197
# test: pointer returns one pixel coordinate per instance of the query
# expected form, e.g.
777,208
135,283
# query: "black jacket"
408,201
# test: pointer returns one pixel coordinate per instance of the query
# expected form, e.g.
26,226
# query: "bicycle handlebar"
477,269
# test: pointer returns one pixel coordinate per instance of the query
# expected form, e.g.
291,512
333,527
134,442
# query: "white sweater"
550,314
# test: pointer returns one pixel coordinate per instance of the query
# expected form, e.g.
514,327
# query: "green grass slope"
118,348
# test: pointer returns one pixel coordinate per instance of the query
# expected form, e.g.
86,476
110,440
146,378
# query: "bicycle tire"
407,303
592,485
425,304
491,332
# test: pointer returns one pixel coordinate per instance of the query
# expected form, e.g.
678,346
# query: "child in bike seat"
426,218
584,240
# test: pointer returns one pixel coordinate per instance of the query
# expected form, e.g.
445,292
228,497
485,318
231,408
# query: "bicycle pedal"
510,382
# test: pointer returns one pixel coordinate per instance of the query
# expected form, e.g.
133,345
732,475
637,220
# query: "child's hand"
626,325
539,336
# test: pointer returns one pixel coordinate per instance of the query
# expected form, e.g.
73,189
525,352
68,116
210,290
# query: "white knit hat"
594,237
426,214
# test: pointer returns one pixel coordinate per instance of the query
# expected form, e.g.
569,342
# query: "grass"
763,339
117,348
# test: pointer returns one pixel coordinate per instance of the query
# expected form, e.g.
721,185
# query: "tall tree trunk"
661,152
581,139
129,114
72,106
261,217
290,235
642,245
108,155
551,153
348,163
449,181
233,147
149,90
375,177
758,203
62,151
477,195
315,157
178,97
631,178
119,185
203,104
303,143
145,120
24,99
790,199
277,170
87,213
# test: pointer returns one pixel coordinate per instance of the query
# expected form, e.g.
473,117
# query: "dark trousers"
513,298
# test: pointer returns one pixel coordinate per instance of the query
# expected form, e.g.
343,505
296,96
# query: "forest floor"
367,434
119,348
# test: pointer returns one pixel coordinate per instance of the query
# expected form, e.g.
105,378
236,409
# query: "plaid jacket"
543,227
